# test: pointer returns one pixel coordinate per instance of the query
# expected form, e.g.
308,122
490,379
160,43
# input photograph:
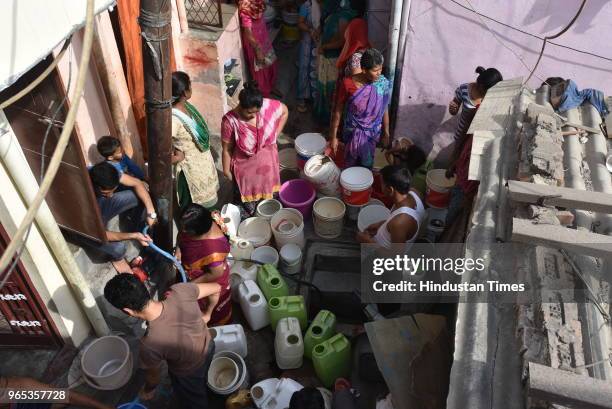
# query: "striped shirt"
462,96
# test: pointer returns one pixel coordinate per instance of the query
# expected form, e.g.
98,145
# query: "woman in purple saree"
364,100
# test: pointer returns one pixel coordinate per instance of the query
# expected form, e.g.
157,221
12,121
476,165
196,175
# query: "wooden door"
24,319
71,197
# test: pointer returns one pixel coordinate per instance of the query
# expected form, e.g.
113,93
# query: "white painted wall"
30,30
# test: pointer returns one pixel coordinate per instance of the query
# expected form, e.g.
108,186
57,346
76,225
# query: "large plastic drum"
323,173
308,145
356,185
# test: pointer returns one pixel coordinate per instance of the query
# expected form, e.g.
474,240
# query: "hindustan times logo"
416,265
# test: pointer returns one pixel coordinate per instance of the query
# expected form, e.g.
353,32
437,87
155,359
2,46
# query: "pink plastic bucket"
298,194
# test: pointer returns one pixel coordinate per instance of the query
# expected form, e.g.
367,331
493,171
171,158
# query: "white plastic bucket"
329,217
256,230
291,258
356,185
107,363
222,374
438,188
371,214
287,159
322,172
243,375
265,255
268,208
308,145
288,227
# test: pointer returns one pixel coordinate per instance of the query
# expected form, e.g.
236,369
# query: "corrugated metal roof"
30,30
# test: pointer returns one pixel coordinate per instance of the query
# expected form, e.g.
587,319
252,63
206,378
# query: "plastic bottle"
288,344
271,282
332,359
289,306
323,327
253,305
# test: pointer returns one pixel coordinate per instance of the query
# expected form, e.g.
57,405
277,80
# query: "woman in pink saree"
250,154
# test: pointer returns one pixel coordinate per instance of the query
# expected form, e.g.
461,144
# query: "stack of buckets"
356,183
308,145
437,197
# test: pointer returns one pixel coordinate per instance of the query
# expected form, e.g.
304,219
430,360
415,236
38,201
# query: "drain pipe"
15,162
394,35
401,56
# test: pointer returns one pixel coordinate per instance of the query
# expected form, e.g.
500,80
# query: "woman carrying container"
202,248
196,178
468,97
250,154
364,100
407,213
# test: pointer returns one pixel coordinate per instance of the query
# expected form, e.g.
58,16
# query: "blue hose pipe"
167,255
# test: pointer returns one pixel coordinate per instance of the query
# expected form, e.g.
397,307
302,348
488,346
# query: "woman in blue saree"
364,100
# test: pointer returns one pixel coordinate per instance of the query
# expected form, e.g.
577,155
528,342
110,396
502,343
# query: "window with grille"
204,13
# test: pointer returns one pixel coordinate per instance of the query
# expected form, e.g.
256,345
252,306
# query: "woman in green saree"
336,15
196,174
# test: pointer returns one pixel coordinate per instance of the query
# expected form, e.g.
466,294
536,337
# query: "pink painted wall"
93,117
446,43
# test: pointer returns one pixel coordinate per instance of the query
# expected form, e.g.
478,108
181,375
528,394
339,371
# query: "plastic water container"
231,217
288,227
107,363
266,255
298,194
253,305
230,338
223,374
289,306
241,249
332,359
438,188
291,259
322,172
256,230
242,380
274,393
268,208
271,282
356,185
323,327
308,145
241,271
288,344
328,216
371,214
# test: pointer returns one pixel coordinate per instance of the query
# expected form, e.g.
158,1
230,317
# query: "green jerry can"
332,359
289,306
322,328
271,282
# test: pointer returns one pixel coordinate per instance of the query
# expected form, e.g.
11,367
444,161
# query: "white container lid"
372,214
310,144
356,178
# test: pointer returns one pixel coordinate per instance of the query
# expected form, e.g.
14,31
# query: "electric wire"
530,34
500,41
559,34
62,143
